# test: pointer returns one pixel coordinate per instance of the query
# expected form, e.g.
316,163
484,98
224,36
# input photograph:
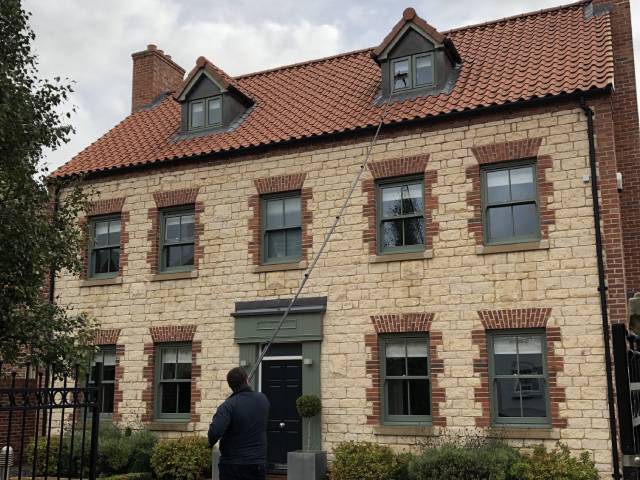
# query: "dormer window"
206,108
412,72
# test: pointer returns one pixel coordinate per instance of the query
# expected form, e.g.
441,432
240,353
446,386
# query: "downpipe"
602,289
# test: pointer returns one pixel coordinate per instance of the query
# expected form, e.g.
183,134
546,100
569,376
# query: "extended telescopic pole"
327,237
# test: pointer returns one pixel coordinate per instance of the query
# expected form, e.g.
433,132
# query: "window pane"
530,355
417,357
184,397
186,227
391,202
187,254
412,199
101,234
419,397
522,186
500,223
107,398
101,261
401,74
174,256
414,231
505,355
276,244
395,358
172,229
534,402
169,363
508,397
392,233
424,70
109,373
215,111
525,220
293,242
114,264
275,213
168,395
197,115
114,232
292,212
184,363
397,397
498,186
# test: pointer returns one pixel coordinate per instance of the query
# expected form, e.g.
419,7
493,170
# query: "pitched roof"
545,53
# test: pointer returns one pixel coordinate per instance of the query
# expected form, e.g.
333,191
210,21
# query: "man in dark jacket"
240,424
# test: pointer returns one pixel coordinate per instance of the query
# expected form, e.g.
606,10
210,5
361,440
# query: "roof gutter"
602,289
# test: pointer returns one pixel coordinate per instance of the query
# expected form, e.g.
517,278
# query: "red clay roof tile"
535,55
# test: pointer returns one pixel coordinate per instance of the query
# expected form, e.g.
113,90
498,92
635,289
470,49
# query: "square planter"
306,465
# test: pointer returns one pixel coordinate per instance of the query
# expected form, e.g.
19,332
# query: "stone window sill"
405,430
401,257
280,267
172,426
97,282
158,277
532,432
512,247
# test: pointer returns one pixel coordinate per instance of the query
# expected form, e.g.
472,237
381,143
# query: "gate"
626,356
50,423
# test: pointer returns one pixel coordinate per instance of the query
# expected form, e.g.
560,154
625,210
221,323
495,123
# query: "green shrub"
47,462
466,460
556,464
142,443
308,406
186,458
124,451
130,476
363,461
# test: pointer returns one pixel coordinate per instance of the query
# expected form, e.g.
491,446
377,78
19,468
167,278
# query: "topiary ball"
308,406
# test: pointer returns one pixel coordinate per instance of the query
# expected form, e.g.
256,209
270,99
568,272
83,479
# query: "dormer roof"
410,19
215,74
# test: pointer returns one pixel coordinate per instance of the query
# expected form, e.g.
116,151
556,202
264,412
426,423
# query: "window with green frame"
173,381
405,379
205,112
400,216
104,247
106,356
510,203
177,239
518,377
413,71
281,228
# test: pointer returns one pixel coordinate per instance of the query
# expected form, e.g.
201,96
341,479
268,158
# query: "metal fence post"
95,421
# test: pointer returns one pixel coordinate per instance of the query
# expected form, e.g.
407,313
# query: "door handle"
282,425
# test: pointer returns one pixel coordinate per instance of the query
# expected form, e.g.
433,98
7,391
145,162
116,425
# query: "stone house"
460,290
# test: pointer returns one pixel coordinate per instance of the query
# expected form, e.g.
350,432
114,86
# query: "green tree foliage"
33,239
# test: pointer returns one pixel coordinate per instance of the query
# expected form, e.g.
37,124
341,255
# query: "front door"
282,384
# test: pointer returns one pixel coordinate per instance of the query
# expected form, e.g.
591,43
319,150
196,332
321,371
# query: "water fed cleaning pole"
327,237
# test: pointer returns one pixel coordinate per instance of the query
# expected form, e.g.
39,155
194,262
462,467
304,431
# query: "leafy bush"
363,461
124,451
557,464
308,406
468,460
131,476
185,458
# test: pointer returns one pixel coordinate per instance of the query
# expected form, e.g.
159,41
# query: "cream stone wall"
454,284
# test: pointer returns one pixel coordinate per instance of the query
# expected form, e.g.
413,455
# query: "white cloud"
92,42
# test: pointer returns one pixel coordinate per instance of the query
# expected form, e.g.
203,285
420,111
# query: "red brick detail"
154,73
174,333
279,184
396,168
117,390
610,210
509,151
107,337
517,319
99,208
174,198
625,135
404,323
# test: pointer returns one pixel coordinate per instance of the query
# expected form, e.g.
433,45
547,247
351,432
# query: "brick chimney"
154,73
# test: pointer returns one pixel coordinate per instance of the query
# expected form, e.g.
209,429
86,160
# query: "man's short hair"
236,378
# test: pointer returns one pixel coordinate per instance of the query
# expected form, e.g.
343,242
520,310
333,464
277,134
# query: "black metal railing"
50,422
626,356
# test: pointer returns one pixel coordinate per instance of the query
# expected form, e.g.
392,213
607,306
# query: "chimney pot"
151,47
154,74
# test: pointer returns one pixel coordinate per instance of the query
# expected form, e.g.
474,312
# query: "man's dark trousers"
242,472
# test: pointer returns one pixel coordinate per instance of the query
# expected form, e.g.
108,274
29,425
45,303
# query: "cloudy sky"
91,42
